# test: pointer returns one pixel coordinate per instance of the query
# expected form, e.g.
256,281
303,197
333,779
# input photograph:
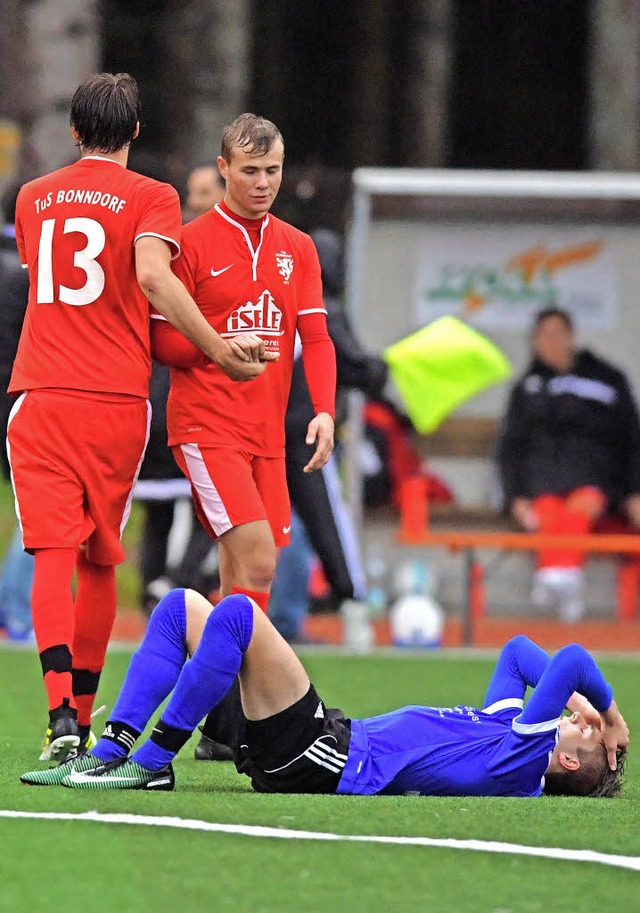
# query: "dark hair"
105,110
545,314
254,134
594,777
206,166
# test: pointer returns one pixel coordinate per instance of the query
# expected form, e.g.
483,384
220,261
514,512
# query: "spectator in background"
17,569
205,188
569,452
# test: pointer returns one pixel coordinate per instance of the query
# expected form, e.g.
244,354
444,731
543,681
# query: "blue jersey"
501,750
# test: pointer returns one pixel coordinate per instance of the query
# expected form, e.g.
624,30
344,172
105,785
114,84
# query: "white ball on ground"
416,621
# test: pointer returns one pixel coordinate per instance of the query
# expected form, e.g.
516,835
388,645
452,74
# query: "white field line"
246,830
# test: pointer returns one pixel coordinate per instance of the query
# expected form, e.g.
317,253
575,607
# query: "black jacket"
564,431
14,291
355,369
158,460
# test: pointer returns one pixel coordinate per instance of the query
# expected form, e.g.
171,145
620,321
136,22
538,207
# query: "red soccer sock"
53,623
95,610
261,598
84,702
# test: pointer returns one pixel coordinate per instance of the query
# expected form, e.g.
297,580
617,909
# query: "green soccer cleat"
54,776
121,774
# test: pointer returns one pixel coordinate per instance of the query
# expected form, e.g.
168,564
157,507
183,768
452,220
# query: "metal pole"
467,616
356,258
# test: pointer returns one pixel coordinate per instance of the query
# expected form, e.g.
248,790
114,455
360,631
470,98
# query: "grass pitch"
99,866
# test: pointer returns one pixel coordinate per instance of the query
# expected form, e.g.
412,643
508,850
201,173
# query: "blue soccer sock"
203,682
152,674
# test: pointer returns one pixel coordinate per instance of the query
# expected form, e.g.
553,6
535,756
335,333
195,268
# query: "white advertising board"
499,276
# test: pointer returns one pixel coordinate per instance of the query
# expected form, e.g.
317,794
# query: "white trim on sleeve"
507,703
534,728
154,234
312,311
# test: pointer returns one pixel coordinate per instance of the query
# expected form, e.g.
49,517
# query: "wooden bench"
469,534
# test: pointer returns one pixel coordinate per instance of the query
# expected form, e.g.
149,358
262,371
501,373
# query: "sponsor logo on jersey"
262,316
284,262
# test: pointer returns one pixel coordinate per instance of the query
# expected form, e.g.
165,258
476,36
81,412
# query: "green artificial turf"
106,867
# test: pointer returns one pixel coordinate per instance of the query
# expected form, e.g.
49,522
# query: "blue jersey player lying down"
292,743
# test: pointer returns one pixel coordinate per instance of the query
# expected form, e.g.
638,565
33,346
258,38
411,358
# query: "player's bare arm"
615,733
170,298
579,703
320,432
611,723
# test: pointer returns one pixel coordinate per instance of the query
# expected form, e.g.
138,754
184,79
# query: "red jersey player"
97,240
248,271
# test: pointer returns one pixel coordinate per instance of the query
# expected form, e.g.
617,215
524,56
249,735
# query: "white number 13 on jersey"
83,259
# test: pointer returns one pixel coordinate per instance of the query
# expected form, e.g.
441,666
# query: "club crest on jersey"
284,262
263,317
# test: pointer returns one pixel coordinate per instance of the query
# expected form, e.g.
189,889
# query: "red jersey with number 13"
87,320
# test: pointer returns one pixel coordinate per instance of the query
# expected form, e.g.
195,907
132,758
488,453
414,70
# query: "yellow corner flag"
441,366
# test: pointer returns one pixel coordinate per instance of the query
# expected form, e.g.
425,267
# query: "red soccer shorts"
231,487
74,459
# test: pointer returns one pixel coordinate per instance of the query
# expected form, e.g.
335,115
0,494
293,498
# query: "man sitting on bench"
569,452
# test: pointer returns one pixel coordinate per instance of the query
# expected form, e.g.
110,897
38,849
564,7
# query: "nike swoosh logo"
77,777
219,272
286,529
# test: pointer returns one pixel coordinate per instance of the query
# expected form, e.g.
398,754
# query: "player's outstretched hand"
615,733
320,433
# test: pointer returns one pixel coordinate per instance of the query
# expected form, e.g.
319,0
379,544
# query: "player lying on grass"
291,743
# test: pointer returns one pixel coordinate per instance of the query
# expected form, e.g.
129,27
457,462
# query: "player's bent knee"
234,616
262,571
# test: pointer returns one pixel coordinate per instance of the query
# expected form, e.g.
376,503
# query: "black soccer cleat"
62,737
209,750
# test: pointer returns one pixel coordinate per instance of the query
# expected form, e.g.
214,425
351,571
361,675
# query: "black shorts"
301,750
